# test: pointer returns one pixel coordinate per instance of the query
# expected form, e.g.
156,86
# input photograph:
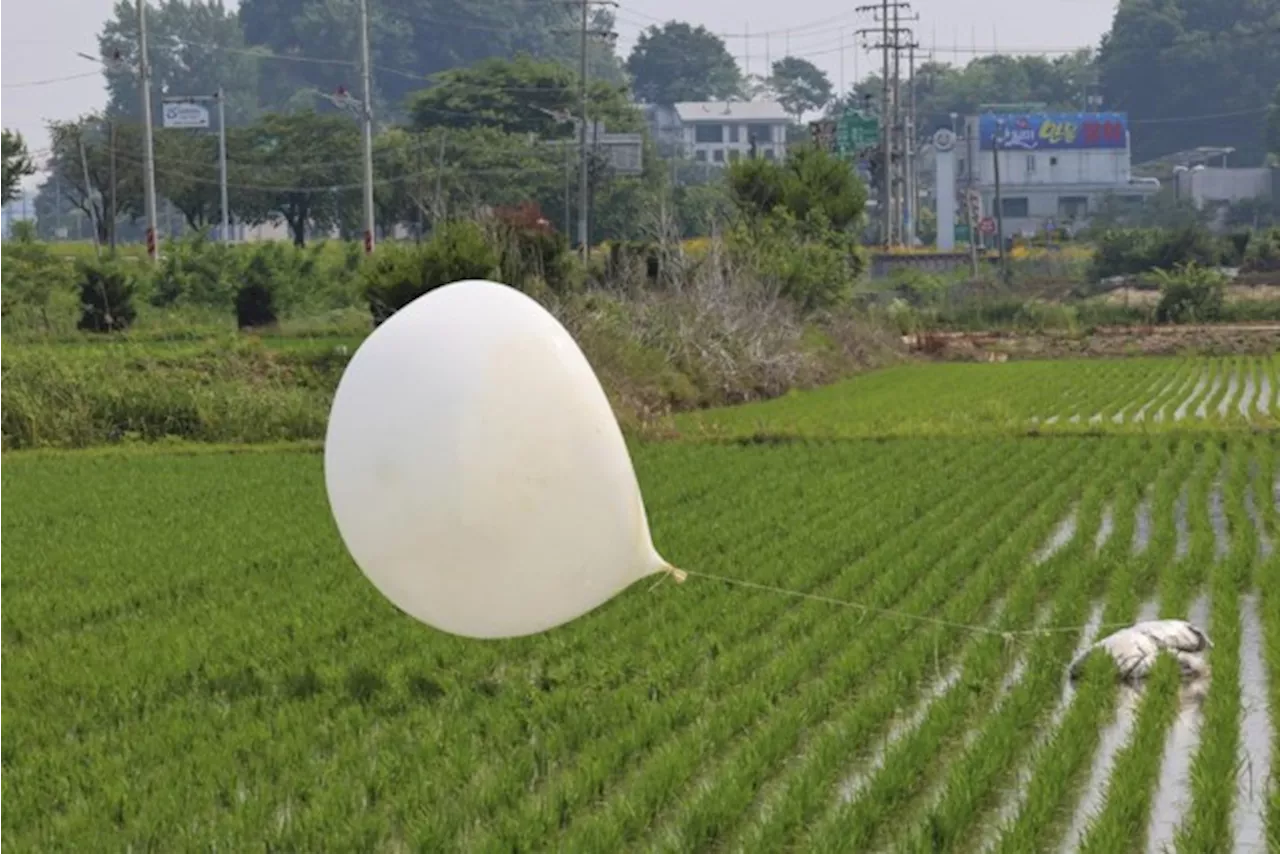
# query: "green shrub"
195,271
34,280
1130,251
256,296
1263,255
106,297
398,274
812,266
1190,294
530,250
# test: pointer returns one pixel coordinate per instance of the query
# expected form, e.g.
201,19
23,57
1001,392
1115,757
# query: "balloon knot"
678,574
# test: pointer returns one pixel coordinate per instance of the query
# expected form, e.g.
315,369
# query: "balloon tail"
678,574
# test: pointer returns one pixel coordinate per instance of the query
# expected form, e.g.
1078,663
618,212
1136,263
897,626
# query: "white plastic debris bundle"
1136,648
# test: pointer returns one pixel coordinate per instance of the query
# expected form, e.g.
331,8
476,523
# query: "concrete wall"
1208,184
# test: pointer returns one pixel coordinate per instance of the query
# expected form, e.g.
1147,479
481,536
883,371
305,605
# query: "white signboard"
184,114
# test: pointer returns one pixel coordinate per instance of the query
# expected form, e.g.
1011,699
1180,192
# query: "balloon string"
887,612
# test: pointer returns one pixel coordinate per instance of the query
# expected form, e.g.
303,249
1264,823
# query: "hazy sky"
40,40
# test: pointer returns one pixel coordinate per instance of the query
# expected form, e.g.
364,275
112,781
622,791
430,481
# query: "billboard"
185,114
1053,131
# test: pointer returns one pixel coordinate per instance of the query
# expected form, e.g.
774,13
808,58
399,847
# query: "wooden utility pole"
584,197
891,44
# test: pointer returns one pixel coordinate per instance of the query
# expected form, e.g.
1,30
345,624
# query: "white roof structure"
720,111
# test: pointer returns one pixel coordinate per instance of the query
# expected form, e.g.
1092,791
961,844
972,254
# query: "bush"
106,297
530,250
195,271
34,279
813,267
1130,251
1263,255
255,298
1190,294
397,275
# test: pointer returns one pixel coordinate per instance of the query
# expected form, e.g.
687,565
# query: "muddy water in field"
1181,412
1173,790
1233,385
1245,406
1181,527
1012,799
1058,539
1106,527
1142,526
1218,519
1202,411
1265,546
1254,774
858,780
1113,738
1264,394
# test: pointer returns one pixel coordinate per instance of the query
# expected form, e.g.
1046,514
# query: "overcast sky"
40,39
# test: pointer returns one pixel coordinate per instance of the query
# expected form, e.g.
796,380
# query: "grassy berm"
179,378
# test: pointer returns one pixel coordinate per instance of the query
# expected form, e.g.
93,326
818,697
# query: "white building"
719,132
1055,169
1208,185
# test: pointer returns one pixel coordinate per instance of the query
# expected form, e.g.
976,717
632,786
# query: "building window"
1053,161
1073,207
1015,207
960,166
1031,164
700,155
708,133
761,133
768,154
733,133
718,155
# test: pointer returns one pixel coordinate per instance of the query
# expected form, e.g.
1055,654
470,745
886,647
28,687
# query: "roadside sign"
856,131
185,114
962,233
987,226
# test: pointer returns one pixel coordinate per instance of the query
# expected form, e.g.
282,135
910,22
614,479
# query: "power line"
50,80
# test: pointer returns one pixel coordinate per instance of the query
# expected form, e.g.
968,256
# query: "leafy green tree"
810,184
411,40
521,95
801,85
196,46
677,62
187,174
17,164
95,133
299,167
1201,69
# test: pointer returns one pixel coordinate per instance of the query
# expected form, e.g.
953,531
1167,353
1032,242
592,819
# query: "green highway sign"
856,131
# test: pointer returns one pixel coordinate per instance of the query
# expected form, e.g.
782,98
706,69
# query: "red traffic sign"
987,226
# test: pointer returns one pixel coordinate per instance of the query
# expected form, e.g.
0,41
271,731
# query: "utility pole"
996,138
111,179
148,145
887,15
88,194
913,197
222,165
584,196
366,74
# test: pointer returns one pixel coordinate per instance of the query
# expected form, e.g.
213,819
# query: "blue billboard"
1053,131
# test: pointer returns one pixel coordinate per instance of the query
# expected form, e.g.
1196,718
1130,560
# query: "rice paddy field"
889,579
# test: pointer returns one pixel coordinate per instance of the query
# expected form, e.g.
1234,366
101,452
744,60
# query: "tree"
17,163
187,173
410,41
1198,71
94,134
521,95
811,185
299,167
677,62
1273,124
801,85
195,46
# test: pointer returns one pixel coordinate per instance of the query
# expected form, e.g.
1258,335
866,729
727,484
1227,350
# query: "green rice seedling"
1122,825
1213,771
628,810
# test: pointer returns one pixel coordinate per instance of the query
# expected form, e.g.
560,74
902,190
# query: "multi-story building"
719,132
1055,168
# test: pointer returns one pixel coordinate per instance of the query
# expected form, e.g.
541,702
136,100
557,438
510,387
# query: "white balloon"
476,471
